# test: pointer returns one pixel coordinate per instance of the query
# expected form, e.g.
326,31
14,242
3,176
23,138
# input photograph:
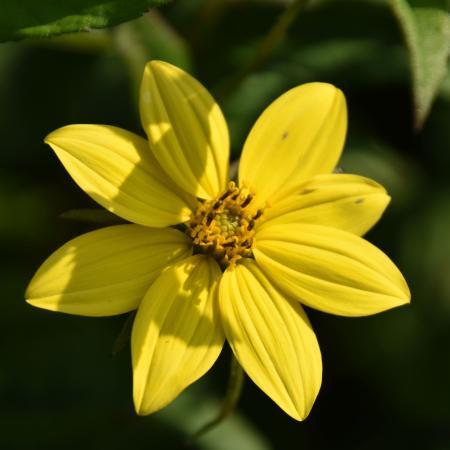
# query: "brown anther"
258,214
247,201
225,195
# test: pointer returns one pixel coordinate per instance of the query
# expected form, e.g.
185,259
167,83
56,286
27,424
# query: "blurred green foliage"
385,377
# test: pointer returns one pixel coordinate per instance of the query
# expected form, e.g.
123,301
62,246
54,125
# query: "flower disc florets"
225,227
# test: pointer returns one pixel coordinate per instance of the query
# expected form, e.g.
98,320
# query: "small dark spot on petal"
359,201
307,191
284,135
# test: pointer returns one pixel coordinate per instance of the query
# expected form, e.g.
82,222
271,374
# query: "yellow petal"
176,336
271,338
329,269
107,271
117,169
301,134
349,202
186,129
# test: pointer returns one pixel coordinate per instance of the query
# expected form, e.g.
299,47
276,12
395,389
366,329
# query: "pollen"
225,227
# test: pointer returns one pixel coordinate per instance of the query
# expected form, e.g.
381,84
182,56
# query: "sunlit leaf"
427,35
28,18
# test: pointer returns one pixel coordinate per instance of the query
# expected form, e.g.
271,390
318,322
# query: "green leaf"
427,35
30,18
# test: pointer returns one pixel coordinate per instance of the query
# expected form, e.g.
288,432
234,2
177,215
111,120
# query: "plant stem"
234,390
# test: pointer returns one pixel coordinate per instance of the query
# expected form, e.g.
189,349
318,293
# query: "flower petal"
176,336
116,168
271,338
106,271
186,129
349,202
301,134
329,269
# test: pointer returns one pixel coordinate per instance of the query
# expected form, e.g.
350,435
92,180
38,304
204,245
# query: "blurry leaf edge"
426,77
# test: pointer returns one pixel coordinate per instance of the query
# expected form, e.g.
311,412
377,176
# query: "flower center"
225,227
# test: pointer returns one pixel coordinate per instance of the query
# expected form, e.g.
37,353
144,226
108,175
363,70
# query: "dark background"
386,377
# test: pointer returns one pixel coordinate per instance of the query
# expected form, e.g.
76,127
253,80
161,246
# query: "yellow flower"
246,254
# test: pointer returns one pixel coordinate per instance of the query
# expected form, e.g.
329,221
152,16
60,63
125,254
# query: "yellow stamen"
225,227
